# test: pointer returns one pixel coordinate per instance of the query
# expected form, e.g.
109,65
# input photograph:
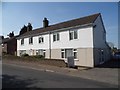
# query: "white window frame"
31,40
56,37
41,50
22,41
72,34
41,38
64,53
75,51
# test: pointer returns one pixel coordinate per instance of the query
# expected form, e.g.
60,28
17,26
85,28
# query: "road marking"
46,70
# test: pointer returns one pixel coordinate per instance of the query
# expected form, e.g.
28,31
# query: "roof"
5,40
75,22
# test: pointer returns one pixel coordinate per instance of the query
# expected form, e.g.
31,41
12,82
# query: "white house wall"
85,39
35,45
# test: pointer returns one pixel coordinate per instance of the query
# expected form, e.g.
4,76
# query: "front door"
69,53
70,57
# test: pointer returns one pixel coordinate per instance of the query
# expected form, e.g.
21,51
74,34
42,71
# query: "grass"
26,58
37,59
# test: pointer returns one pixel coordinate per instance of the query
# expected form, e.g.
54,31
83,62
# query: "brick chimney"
45,23
29,27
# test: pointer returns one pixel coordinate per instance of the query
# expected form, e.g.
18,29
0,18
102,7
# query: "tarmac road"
21,77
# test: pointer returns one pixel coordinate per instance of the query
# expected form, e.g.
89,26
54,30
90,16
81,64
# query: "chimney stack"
45,23
29,27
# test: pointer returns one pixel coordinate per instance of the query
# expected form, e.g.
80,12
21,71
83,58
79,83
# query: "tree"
11,34
23,30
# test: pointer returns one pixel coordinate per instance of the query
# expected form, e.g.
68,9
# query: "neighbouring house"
9,45
0,46
83,39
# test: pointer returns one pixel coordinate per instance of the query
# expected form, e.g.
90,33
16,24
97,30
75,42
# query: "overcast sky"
15,15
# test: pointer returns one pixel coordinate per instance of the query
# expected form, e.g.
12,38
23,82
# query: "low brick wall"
52,62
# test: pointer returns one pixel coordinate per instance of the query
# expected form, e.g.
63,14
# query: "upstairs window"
73,35
56,37
31,40
41,39
22,41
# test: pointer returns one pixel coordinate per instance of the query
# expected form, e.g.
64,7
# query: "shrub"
24,55
39,56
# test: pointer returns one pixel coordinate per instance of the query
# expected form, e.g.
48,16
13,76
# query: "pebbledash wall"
90,47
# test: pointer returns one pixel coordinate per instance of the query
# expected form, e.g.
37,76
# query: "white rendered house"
83,38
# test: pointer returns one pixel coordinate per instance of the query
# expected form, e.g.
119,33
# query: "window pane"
75,55
22,41
42,39
44,54
30,40
39,39
54,37
62,54
57,36
71,35
37,52
75,34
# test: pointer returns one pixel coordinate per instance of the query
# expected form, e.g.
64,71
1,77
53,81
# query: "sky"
17,14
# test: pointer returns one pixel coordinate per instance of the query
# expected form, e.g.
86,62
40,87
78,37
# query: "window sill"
74,40
76,60
66,59
41,43
30,43
56,41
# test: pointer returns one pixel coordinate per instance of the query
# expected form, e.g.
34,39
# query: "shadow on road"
13,82
110,64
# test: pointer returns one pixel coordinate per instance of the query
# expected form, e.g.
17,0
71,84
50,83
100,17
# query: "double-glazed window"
56,37
41,39
63,53
41,52
31,40
69,52
73,34
22,41
75,53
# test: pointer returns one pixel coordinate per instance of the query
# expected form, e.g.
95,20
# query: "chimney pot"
45,22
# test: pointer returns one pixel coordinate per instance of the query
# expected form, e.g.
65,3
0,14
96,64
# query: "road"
21,77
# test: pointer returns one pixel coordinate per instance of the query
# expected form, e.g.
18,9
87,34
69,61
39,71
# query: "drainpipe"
50,45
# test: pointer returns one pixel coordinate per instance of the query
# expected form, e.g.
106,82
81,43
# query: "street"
21,77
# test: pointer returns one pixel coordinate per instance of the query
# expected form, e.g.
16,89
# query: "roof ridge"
69,23
76,19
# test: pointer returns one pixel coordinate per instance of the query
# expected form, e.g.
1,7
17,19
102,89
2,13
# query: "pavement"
105,75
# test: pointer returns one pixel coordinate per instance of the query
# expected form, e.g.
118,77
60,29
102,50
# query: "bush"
24,55
39,56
